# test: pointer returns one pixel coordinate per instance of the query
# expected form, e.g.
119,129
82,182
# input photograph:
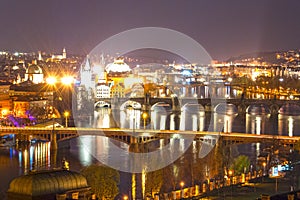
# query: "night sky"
224,28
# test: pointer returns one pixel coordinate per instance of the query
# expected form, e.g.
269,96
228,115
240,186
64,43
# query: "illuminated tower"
40,56
64,54
86,74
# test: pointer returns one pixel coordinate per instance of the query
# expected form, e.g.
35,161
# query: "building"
60,57
102,91
20,107
34,73
118,66
117,90
49,185
86,75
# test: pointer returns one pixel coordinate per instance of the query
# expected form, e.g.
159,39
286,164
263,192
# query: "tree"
103,180
154,181
239,164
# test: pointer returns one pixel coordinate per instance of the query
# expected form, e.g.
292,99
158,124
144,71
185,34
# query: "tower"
64,54
40,56
86,74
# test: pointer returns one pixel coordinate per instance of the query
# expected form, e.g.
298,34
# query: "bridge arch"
160,115
133,104
101,104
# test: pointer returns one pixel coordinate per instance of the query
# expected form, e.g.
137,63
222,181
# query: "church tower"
64,54
86,74
40,56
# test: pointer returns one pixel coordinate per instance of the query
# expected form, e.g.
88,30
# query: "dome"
258,109
47,182
192,108
228,109
34,69
289,109
117,66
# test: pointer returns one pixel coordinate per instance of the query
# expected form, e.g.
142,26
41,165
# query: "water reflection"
288,125
191,168
33,157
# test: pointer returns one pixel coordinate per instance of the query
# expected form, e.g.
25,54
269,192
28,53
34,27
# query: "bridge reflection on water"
264,128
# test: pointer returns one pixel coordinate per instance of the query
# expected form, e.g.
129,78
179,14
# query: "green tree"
103,180
240,164
154,181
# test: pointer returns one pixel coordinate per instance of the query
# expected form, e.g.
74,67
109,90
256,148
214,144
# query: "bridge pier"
53,140
115,113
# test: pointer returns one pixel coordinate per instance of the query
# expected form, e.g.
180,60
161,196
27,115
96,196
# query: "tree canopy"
103,180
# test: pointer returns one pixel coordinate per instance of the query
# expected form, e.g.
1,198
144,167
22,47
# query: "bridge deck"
113,132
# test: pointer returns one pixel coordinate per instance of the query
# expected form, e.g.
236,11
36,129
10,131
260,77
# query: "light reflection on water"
19,160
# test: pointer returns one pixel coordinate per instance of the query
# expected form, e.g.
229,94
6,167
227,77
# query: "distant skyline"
223,28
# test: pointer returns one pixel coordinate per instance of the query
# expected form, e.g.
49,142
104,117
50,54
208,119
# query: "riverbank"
253,190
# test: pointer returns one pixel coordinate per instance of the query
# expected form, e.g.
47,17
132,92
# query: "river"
19,160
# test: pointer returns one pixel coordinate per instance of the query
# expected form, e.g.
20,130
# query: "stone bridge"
177,103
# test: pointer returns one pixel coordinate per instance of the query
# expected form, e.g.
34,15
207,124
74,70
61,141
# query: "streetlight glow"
181,184
51,80
66,114
67,80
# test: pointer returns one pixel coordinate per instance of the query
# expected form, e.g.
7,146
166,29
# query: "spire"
64,54
40,56
87,65
102,60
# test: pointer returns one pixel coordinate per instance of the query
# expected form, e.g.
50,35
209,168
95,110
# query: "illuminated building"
60,57
54,184
102,91
117,90
86,75
21,105
118,66
6,103
137,90
34,73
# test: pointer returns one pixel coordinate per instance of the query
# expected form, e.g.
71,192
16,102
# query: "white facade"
102,91
35,74
86,76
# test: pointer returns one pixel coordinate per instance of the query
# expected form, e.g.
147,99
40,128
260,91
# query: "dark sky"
224,28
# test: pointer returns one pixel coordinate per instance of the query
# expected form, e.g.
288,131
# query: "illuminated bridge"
144,135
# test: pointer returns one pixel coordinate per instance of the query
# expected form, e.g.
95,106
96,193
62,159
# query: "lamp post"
66,114
145,117
181,186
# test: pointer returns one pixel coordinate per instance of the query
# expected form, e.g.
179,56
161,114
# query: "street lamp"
264,165
67,82
51,80
66,114
125,197
181,185
145,117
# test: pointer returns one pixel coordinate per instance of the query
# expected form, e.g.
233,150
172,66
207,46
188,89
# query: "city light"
67,80
51,80
66,114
